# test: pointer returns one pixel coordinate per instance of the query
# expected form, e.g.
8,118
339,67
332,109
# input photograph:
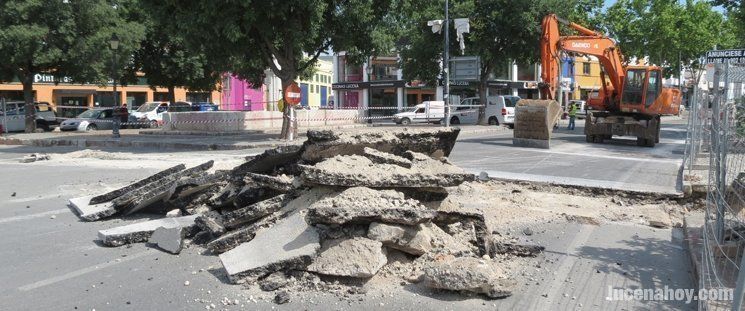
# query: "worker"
572,116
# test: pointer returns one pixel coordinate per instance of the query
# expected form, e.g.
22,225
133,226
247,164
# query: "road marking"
32,216
80,272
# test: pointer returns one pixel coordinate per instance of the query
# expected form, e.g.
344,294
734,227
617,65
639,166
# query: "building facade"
316,91
377,85
240,95
586,76
69,98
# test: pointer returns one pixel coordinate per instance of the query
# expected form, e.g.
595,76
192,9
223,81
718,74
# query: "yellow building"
586,76
66,94
319,86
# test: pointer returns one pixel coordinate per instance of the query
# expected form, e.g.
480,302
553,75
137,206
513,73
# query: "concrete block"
91,212
468,274
357,257
169,239
290,244
531,143
141,231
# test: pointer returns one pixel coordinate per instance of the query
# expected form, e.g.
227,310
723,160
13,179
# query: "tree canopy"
668,33
62,38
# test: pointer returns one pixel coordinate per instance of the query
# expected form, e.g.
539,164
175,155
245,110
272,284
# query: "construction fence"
716,149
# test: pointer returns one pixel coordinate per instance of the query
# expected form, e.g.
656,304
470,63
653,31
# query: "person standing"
572,116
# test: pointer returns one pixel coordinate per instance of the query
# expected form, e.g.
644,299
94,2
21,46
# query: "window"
653,87
316,77
586,69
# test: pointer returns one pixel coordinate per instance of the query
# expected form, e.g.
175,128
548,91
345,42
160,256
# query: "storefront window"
384,99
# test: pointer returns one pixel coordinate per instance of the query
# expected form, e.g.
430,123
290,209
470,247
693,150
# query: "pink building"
238,94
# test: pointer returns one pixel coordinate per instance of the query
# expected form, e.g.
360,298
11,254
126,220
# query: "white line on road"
80,272
32,216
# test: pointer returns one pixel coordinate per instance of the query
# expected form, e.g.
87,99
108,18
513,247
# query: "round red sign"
293,94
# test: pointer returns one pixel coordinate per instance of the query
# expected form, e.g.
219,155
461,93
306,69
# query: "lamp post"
114,45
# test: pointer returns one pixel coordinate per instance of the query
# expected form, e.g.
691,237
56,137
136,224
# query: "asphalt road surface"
619,164
52,260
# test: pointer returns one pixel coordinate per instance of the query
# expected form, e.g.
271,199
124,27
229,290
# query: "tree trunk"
482,101
28,97
172,94
289,126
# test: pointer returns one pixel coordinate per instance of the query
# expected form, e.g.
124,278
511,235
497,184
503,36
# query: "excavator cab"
641,88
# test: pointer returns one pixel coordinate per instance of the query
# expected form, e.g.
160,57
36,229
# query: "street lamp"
114,45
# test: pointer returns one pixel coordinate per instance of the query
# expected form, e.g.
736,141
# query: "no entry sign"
293,95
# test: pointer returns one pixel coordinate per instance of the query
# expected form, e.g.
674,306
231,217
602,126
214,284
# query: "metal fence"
716,142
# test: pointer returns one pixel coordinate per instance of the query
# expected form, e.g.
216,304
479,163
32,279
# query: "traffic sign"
730,56
293,94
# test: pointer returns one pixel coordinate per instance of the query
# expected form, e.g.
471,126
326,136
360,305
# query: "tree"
663,32
285,36
735,17
495,35
63,38
166,57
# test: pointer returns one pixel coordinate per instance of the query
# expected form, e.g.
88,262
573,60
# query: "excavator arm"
588,42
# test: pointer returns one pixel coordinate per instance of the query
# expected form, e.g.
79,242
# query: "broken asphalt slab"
141,231
91,212
290,244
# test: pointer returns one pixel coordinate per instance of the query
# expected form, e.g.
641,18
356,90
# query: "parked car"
426,112
13,116
180,107
204,106
90,120
500,110
150,111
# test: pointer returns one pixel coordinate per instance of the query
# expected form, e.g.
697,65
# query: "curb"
693,246
111,143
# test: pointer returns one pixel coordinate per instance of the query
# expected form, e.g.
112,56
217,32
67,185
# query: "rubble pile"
339,206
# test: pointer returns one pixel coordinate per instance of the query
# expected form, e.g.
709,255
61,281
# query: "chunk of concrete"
468,274
520,250
156,191
139,184
91,212
174,213
290,244
357,257
326,144
141,231
169,239
359,171
380,157
274,281
415,240
281,183
270,161
253,212
365,205
211,222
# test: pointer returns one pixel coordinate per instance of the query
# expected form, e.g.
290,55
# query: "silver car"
90,120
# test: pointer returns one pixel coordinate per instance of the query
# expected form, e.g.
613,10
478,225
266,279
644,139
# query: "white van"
150,111
500,110
13,116
426,112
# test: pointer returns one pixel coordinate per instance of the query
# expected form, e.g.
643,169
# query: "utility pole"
446,64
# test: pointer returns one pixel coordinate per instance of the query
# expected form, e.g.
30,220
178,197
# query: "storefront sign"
367,85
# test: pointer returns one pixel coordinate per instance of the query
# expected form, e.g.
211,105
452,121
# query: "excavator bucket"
534,122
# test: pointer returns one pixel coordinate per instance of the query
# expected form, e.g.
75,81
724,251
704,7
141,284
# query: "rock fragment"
365,205
357,257
282,297
168,239
414,240
141,231
274,281
174,213
467,274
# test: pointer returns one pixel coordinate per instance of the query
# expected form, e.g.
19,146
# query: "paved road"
617,164
56,264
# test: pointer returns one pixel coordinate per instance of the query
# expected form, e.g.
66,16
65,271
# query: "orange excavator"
630,105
